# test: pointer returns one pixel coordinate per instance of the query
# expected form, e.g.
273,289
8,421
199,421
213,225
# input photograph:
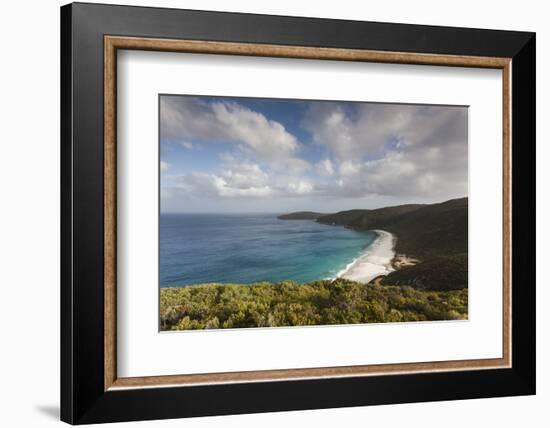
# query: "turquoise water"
248,248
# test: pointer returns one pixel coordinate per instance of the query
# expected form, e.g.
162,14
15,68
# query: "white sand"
375,261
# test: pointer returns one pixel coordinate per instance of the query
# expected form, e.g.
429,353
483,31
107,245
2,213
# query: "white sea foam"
375,261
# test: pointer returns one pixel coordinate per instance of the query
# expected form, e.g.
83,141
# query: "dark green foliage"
301,215
291,304
434,230
421,230
437,234
368,219
435,273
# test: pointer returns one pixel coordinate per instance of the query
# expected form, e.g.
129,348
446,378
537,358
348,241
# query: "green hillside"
434,273
301,215
421,230
436,234
368,219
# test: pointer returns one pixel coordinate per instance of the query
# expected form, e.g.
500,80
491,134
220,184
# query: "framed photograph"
266,213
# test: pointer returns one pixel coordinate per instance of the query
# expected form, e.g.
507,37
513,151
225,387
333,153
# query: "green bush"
213,306
434,273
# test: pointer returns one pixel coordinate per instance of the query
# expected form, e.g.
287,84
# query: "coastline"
376,260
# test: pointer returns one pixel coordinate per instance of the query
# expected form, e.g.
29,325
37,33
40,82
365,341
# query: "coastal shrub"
212,306
422,231
434,273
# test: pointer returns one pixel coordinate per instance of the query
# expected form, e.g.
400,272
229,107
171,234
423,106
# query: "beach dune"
375,261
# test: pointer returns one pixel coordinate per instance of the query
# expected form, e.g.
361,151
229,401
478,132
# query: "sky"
235,155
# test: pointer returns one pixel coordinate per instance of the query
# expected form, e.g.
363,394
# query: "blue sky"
222,154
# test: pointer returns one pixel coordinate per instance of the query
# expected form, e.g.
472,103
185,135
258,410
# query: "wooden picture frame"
91,390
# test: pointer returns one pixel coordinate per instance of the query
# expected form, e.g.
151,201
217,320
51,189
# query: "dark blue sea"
246,248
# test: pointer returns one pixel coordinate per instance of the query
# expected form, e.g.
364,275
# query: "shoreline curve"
375,261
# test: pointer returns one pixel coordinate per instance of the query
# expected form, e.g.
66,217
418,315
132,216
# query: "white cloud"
300,187
241,180
200,185
348,168
404,152
267,140
371,128
164,166
414,150
225,190
238,180
245,176
324,168
420,174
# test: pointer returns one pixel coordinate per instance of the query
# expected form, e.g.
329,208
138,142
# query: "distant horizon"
300,210
252,155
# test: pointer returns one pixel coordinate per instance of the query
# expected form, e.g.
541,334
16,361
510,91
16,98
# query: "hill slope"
368,219
435,234
435,273
421,230
301,215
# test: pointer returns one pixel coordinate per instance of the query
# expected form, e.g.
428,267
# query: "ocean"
246,248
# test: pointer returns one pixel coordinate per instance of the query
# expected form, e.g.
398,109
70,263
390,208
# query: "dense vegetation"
421,230
436,234
369,219
434,273
291,304
301,215
433,289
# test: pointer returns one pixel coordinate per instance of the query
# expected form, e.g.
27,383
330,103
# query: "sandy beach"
402,260
375,261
